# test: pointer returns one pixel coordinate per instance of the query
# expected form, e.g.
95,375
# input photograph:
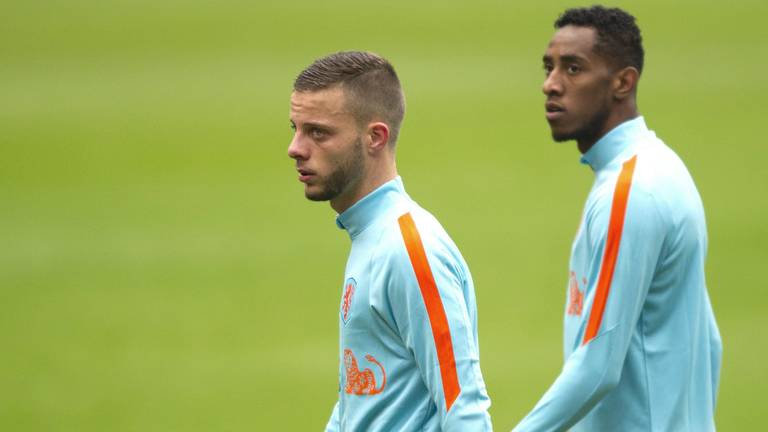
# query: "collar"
362,213
614,143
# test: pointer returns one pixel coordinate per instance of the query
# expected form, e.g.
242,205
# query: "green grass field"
160,269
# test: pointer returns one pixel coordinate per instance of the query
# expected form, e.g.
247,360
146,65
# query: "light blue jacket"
408,348
642,349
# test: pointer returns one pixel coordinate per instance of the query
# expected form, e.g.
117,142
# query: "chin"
319,194
313,197
316,195
560,136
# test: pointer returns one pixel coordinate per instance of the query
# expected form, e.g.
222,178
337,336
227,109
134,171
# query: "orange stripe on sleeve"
615,227
440,330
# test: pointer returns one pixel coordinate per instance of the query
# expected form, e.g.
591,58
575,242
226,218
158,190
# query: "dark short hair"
618,37
369,81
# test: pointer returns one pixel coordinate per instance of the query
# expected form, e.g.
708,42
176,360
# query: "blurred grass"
161,270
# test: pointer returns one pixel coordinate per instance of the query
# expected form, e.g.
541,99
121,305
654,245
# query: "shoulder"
414,239
627,197
659,169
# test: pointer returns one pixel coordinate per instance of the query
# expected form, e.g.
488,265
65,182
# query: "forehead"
573,41
326,103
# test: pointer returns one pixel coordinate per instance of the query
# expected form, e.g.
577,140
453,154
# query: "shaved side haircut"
370,84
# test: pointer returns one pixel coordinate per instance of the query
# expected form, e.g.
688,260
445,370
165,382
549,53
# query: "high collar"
362,213
614,143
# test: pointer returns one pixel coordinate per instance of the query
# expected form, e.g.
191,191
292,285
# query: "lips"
554,110
305,175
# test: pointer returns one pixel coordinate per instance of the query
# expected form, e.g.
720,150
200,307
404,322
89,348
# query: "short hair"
618,36
369,82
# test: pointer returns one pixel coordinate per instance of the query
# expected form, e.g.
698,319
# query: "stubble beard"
589,132
348,173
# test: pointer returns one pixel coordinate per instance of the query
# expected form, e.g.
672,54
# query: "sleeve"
716,353
629,241
333,422
432,317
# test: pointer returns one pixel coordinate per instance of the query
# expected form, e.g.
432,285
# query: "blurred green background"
160,269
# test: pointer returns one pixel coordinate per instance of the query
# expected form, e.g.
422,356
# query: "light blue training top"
642,348
408,348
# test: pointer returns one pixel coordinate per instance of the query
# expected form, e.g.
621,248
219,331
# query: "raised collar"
615,142
362,213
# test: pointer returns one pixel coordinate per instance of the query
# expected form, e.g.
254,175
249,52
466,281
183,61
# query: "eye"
317,133
547,69
573,69
293,126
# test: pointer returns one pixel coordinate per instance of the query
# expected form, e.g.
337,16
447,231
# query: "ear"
625,82
378,134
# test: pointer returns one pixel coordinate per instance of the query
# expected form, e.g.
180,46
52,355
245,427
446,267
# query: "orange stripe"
440,330
615,227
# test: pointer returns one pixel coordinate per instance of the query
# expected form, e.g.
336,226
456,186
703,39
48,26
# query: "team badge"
575,295
362,382
346,301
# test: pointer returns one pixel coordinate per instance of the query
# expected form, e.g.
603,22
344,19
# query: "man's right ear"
625,82
378,133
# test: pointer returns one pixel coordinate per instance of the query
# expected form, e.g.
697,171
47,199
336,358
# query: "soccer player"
642,349
408,348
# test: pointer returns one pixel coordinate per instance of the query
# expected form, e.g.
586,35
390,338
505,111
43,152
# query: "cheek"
591,99
328,157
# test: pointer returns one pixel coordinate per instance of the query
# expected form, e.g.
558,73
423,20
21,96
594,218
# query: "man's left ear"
378,133
625,82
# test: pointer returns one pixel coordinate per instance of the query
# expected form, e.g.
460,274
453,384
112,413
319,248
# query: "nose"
552,84
296,150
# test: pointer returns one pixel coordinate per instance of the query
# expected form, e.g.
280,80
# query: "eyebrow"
310,125
566,58
317,125
574,58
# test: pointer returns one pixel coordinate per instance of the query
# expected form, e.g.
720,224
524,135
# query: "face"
327,145
577,86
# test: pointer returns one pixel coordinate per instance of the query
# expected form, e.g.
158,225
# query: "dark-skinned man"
642,348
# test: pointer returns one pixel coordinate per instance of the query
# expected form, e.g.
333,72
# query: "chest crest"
350,286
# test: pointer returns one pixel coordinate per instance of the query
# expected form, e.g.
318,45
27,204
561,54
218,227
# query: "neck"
369,182
615,118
